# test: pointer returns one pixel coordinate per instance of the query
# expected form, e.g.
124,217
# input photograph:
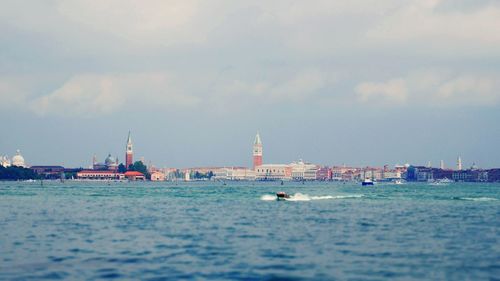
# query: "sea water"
237,230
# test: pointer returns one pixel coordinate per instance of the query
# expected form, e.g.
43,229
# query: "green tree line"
17,173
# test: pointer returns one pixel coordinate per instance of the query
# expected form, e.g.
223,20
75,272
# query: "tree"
16,173
121,168
138,166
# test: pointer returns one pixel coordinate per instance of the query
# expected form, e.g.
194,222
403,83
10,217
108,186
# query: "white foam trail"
299,197
479,199
304,197
322,197
351,196
268,197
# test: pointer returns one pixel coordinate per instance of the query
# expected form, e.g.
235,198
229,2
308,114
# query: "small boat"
398,182
444,181
282,196
367,182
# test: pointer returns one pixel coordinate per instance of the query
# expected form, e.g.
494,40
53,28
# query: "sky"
358,82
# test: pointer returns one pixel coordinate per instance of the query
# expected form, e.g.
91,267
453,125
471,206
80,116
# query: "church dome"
110,160
18,159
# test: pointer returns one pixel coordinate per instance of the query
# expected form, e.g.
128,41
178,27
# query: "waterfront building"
493,175
134,175
99,175
470,175
391,175
420,173
157,176
234,173
187,175
324,174
51,172
273,172
129,153
303,171
371,173
257,152
401,168
18,160
344,173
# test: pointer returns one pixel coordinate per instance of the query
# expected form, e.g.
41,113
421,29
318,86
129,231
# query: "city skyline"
329,82
257,160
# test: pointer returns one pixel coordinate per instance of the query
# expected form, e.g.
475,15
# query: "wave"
268,197
477,198
304,197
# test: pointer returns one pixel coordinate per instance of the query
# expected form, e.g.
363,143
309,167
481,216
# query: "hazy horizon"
330,82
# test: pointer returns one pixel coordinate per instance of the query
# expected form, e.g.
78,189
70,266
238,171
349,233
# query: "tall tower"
442,165
459,163
257,151
129,154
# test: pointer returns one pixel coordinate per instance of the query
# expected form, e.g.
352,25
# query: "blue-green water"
197,231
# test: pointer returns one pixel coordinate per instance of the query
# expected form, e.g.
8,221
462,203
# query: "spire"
129,140
257,139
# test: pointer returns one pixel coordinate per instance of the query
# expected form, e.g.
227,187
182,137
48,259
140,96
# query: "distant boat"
444,181
367,182
398,182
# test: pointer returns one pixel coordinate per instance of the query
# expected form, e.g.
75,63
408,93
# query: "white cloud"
469,90
156,21
299,87
423,26
436,88
91,95
391,92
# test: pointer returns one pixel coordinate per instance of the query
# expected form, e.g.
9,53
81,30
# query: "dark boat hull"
282,196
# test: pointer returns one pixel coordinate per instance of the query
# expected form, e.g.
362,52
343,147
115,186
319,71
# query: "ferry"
367,182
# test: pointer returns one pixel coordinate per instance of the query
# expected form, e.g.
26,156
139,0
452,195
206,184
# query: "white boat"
444,181
367,182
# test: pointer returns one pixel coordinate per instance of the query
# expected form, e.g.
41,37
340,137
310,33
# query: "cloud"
121,54
435,88
429,27
469,90
298,87
391,92
91,95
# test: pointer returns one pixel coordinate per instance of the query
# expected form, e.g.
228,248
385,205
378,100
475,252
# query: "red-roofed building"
134,175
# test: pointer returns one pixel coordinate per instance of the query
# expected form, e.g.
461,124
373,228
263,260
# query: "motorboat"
282,196
444,181
367,182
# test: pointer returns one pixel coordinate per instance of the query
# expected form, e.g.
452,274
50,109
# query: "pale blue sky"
332,82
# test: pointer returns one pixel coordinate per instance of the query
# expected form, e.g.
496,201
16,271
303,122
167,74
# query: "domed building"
4,161
110,163
18,160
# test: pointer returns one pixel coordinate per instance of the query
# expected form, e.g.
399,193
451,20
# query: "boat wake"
305,197
477,198
268,197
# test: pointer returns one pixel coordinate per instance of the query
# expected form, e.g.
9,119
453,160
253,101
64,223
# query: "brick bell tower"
257,151
129,154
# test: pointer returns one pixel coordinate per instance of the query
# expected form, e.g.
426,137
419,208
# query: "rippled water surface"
196,231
